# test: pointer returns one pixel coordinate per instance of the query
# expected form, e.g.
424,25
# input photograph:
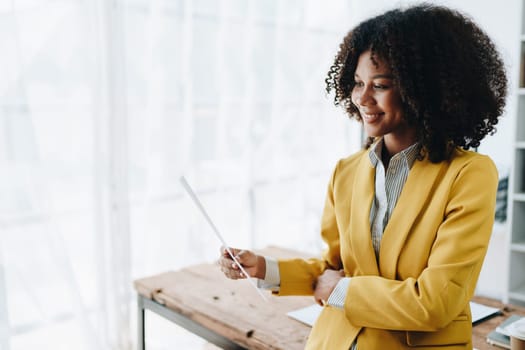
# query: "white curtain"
104,104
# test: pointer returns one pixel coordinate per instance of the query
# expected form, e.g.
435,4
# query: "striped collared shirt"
388,186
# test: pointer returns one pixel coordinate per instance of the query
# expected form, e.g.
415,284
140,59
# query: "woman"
407,220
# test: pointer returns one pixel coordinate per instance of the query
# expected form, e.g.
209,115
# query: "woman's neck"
393,146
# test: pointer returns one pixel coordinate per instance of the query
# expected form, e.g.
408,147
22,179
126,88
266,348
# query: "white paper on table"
307,315
480,312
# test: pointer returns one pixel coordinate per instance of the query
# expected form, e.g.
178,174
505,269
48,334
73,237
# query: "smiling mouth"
371,118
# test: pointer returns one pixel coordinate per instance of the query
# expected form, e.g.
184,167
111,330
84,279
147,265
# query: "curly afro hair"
451,78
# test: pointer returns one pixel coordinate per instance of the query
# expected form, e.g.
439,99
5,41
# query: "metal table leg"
181,320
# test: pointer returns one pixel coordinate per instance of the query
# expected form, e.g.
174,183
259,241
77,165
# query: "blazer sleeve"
441,292
298,276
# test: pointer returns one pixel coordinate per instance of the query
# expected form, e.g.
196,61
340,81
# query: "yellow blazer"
430,257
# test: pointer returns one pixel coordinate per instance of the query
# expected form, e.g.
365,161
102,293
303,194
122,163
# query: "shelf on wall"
519,197
518,293
518,247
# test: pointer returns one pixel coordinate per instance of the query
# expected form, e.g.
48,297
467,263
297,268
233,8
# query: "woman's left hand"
326,284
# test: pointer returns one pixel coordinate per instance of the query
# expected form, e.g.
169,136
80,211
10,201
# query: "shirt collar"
408,155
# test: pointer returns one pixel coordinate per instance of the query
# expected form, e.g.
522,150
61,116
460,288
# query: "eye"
358,84
380,87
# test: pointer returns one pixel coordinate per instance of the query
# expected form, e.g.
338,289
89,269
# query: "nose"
364,96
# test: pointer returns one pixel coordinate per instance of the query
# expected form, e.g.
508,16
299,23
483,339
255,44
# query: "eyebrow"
378,76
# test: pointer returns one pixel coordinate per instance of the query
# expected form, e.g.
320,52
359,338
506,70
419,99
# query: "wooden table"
231,315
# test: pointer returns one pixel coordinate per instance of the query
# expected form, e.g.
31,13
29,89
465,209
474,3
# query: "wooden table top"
235,310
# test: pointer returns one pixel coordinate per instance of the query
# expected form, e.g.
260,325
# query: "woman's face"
379,103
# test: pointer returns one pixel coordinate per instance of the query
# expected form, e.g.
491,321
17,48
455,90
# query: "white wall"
501,20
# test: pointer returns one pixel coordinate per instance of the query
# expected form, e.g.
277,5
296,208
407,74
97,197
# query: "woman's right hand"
253,264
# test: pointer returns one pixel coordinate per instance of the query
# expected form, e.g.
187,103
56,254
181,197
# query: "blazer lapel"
359,228
416,193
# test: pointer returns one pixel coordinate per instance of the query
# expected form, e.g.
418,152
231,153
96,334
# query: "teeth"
371,117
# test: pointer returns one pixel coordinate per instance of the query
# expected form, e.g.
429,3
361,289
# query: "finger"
317,297
226,269
228,266
226,263
230,269
224,251
235,275
239,255
243,257
227,273
226,254
247,258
